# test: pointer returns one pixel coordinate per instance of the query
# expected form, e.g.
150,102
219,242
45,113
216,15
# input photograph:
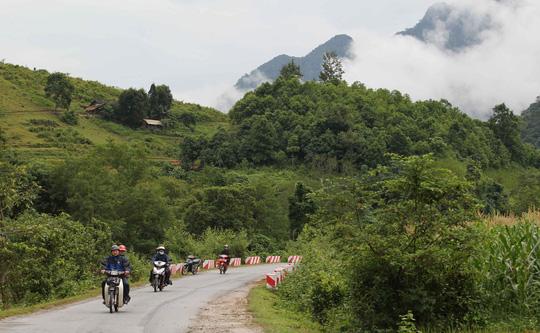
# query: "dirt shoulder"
227,314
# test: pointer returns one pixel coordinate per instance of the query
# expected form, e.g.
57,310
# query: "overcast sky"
201,47
197,47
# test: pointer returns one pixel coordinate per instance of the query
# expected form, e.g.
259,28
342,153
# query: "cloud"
504,67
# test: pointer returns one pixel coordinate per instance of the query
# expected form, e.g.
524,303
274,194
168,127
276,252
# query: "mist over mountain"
451,27
310,65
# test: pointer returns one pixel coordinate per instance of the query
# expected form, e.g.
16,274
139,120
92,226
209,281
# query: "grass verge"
275,317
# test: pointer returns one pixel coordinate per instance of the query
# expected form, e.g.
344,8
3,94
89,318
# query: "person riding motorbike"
226,252
119,263
162,256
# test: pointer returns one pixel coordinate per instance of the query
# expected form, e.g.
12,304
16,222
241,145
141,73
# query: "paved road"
148,312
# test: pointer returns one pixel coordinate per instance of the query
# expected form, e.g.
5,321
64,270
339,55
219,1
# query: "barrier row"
235,262
278,275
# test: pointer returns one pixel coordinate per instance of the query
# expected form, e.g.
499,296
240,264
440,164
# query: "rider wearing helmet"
162,256
226,252
120,263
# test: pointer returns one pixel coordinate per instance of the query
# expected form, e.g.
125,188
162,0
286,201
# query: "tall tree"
59,89
291,70
332,69
132,107
506,127
300,206
160,101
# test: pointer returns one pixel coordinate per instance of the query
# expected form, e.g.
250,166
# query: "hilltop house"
95,107
152,124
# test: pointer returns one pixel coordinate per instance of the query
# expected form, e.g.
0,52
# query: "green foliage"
113,184
530,129
340,128
290,71
208,244
509,266
64,252
332,69
60,90
132,107
320,284
70,117
160,100
17,189
251,207
416,248
300,206
506,127
407,323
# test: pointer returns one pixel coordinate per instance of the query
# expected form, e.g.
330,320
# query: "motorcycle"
222,263
114,297
158,275
191,265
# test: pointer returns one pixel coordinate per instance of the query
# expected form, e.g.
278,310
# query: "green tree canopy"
291,70
506,127
132,107
160,101
59,89
332,69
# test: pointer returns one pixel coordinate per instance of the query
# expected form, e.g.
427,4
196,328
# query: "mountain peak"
450,27
310,65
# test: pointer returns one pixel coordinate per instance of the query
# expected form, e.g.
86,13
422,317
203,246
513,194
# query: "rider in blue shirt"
116,262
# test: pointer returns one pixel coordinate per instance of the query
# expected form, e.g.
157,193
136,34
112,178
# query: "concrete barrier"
273,259
209,264
294,259
235,262
253,260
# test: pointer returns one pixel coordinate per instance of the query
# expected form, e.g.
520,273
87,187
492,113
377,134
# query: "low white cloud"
504,67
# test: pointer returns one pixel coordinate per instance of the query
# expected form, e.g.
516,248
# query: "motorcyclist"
120,263
226,252
123,249
162,256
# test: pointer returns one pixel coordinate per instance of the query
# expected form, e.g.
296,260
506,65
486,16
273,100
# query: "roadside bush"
45,257
208,245
70,117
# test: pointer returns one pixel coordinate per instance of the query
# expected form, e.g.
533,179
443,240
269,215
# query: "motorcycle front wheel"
111,302
155,283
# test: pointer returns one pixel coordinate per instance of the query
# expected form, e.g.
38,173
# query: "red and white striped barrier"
209,264
253,260
175,268
235,262
272,281
273,259
294,259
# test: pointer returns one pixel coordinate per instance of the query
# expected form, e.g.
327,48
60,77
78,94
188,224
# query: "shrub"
70,117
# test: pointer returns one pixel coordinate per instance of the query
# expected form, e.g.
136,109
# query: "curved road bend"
168,311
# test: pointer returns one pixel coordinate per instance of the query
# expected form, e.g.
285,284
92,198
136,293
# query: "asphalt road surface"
171,310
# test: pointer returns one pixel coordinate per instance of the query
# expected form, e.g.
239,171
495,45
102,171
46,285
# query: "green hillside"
34,129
